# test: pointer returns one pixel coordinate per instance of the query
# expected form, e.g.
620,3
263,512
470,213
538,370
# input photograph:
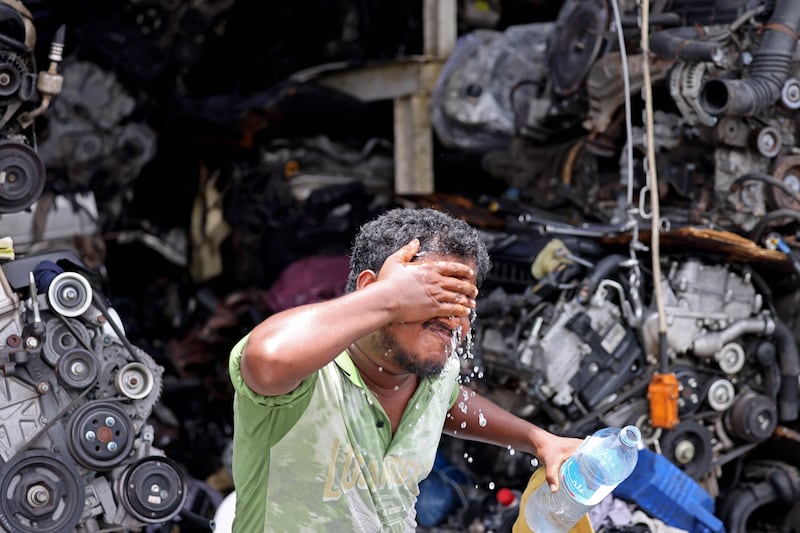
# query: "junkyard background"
173,172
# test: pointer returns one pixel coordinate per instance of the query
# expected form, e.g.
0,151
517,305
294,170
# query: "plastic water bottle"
601,463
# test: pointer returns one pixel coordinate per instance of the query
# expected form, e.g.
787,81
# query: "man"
340,405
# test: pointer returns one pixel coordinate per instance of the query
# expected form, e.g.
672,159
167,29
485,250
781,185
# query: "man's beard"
408,361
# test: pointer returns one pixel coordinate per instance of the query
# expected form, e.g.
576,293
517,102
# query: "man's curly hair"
437,232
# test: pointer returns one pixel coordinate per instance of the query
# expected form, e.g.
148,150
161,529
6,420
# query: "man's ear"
365,278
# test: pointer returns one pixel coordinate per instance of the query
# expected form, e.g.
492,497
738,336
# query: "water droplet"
397,387
463,425
534,462
469,459
380,369
462,407
491,485
481,420
416,406
512,451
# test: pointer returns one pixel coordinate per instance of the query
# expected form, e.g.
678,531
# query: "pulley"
22,177
152,489
134,381
77,369
69,294
101,435
40,494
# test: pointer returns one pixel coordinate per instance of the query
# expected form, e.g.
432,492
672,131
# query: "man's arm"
289,346
485,421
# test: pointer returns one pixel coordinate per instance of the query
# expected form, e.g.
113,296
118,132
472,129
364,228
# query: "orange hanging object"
663,395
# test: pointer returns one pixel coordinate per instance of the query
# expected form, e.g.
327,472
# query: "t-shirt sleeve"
296,396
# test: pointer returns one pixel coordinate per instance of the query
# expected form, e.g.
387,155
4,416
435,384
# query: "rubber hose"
780,485
683,43
602,269
789,362
768,72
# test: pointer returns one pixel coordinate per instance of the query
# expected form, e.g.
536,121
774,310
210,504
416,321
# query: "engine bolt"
684,452
69,293
110,421
155,489
38,496
112,446
77,368
792,181
90,435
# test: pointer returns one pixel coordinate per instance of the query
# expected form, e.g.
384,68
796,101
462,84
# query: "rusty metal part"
732,246
786,170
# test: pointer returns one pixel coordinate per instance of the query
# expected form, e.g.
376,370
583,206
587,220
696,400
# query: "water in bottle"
601,463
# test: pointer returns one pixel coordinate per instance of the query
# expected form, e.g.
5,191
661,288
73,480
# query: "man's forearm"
288,347
476,418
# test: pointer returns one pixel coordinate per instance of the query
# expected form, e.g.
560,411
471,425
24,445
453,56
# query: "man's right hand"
433,285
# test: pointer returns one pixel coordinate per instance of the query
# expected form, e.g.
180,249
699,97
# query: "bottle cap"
505,497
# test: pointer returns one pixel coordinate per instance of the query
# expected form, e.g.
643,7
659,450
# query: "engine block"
75,397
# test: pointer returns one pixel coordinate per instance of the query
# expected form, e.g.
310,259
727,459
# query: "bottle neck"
630,436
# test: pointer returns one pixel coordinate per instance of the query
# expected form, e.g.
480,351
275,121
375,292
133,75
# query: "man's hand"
430,287
553,451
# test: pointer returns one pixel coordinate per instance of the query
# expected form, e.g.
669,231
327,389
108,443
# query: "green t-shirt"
323,458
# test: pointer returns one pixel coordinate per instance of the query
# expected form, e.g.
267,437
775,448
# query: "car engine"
544,105
569,331
76,445
77,449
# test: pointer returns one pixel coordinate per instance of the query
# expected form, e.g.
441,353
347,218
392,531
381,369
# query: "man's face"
422,348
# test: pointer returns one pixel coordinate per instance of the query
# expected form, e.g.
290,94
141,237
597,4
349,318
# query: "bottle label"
583,489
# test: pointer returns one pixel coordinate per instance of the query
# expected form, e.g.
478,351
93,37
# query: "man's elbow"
265,372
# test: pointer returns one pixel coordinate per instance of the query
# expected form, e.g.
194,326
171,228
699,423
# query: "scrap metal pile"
587,313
